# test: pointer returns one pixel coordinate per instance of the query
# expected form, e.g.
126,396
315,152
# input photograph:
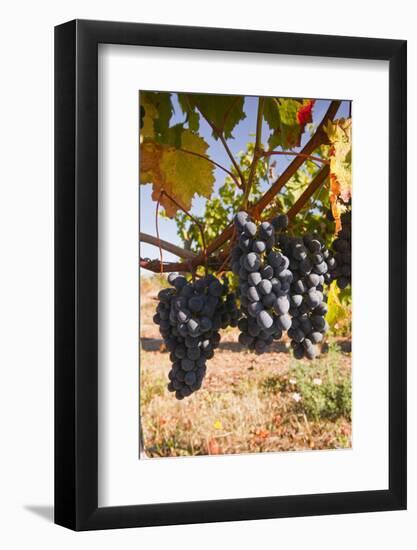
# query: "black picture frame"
76,271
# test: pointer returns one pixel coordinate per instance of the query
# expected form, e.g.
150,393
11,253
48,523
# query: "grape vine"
281,266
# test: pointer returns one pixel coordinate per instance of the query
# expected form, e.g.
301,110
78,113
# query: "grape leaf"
161,101
158,113
337,313
151,114
287,119
339,133
181,175
192,115
223,111
172,135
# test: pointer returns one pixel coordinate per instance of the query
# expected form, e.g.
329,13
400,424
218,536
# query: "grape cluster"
190,315
310,264
342,247
264,282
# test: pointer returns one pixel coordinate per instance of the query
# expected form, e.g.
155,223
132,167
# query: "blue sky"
243,133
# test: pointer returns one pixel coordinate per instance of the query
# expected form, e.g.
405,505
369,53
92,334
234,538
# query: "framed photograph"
230,244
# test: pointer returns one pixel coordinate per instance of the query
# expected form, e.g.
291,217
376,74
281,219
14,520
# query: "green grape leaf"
151,113
223,111
158,112
180,175
162,103
173,135
287,119
193,118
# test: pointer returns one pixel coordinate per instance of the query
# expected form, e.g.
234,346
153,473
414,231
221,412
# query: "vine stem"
294,154
195,220
317,181
227,254
157,229
169,247
257,153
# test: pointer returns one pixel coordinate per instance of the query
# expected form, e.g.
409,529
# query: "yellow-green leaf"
337,313
176,173
151,114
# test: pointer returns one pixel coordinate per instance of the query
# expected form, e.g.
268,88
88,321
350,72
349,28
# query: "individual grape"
193,353
282,305
268,300
266,230
275,259
286,276
254,279
253,294
190,378
245,243
240,220
260,346
183,315
264,287
299,252
216,288
267,272
180,282
251,262
245,339
250,229
280,222
318,322
298,351
315,337
258,247
296,300
276,285
196,303
285,321
254,308
264,319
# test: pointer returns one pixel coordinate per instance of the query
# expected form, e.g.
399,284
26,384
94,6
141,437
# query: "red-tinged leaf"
304,113
287,119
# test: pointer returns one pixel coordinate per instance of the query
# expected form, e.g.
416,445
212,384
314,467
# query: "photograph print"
245,274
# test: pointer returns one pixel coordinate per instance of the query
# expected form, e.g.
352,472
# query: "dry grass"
248,403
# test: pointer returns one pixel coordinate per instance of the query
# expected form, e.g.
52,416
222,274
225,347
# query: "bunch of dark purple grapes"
342,247
264,281
310,265
190,315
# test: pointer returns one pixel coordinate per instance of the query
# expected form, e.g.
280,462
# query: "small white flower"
317,381
296,397
292,381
